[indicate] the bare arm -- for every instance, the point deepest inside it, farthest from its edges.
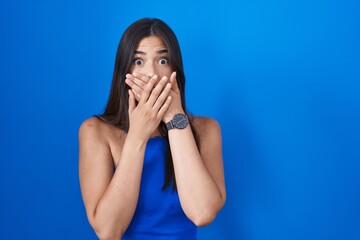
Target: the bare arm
(110, 198)
(198, 171)
(199, 174)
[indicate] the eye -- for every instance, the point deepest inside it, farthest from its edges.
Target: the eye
(163, 60)
(137, 61)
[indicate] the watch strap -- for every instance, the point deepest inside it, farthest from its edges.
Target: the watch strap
(169, 125)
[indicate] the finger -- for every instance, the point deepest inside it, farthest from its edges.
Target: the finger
(143, 77)
(157, 91)
(164, 107)
(131, 101)
(137, 95)
(162, 97)
(173, 82)
(137, 81)
(147, 90)
(132, 85)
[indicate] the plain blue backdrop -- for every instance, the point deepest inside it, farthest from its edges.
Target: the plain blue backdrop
(281, 77)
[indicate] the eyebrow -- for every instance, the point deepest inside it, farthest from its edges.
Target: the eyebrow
(144, 53)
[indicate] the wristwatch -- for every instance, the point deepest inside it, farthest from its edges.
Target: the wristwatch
(180, 121)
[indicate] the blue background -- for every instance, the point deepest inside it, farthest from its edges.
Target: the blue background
(281, 77)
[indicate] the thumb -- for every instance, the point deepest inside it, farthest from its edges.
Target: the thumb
(131, 101)
(173, 82)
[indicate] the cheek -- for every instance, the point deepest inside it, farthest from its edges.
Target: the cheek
(165, 72)
(132, 69)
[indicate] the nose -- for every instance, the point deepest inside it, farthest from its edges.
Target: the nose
(149, 70)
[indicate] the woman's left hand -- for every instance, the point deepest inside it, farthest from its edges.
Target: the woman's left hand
(137, 83)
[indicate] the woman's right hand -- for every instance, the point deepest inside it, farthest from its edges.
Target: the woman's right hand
(146, 116)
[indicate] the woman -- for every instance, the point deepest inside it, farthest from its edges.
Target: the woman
(147, 169)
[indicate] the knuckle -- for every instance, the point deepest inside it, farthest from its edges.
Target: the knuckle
(153, 116)
(149, 86)
(155, 92)
(147, 90)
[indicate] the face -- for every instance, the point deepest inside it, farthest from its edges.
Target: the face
(151, 57)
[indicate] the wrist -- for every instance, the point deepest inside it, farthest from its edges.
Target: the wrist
(137, 138)
(179, 121)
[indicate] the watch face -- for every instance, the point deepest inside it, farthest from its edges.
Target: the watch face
(180, 121)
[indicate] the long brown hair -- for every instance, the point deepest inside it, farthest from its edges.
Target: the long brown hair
(116, 110)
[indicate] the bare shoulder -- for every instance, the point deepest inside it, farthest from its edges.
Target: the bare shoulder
(93, 140)
(206, 126)
(98, 129)
(90, 124)
(99, 137)
(208, 131)
(94, 123)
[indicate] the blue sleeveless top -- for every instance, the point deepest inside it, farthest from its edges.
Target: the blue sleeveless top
(158, 214)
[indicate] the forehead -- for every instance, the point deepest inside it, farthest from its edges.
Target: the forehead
(151, 42)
